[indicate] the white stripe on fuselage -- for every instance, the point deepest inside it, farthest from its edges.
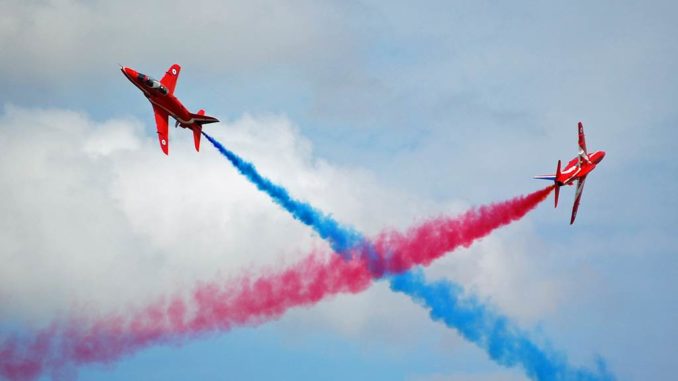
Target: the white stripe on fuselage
(573, 175)
(570, 169)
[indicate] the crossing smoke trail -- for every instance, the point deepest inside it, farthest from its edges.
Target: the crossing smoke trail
(220, 306)
(424, 244)
(244, 301)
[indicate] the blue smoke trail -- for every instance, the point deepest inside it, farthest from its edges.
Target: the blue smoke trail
(504, 343)
(341, 238)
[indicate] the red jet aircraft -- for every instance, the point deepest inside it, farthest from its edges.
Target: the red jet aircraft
(165, 104)
(577, 169)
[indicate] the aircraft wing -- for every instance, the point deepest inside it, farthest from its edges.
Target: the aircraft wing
(577, 198)
(582, 138)
(170, 78)
(583, 154)
(161, 118)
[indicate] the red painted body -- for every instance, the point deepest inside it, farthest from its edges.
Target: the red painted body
(576, 170)
(165, 104)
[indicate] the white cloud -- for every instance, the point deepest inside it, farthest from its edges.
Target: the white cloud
(96, 216)
(113, 136)
(513, 271)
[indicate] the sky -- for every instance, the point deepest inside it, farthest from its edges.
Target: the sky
(380, 113)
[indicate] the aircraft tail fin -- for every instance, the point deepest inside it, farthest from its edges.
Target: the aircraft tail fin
(197, 132)
(197, 129)
(201, 118)
(550, 177)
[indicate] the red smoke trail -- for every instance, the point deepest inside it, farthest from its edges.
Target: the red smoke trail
(428, 241)
(211, 307)
(220, 306)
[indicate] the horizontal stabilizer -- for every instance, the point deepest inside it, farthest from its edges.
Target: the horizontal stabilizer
(545, 177)
(201, 118)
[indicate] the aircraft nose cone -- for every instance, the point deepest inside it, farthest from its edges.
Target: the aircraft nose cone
(129, 71)
(601, 156)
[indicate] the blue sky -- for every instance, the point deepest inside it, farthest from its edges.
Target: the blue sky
(380, 113)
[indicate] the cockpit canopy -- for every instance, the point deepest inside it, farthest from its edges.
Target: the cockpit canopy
(152, 83)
